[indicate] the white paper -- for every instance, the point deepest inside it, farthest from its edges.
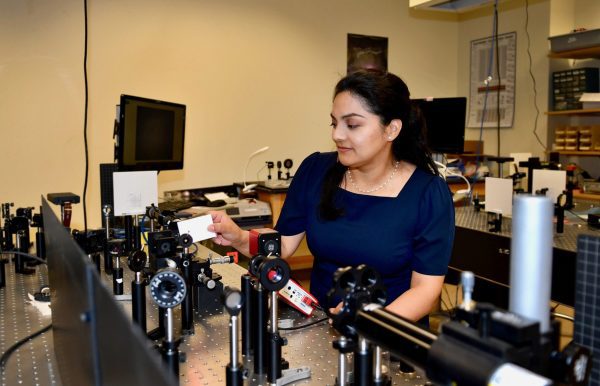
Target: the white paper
(197, 227)
(498, 195)
(216, 196)
(590, 97)
(134, 191)
(554, 180)
(42, 307)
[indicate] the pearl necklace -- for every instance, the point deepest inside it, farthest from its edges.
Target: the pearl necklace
(378, 187)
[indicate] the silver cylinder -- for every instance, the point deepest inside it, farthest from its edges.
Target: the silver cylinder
(169, 330)
(233, 346)
(378, 364)
(342, 379)
(274, 312)
(531, 258)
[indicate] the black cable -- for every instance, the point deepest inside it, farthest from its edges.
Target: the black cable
(304, 325)
(34, 257)
(85, 113)
(576, 215)
(537, 110)
(14, 347)
(498, 75)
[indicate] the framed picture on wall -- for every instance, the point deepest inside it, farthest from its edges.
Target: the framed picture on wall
(366, 52)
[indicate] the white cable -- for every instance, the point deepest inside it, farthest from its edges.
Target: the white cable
(248, 188)
(444, 169)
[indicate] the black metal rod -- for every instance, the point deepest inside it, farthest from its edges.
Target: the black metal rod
(274, 368)
(118, 281)
(2, 273)
(260, 332)
(401, 337)
(234, 376)
(247, 315)
(40, 244)
(187, 306)
(95, 257)
(129, 234)
(138, 303)
(363, 364)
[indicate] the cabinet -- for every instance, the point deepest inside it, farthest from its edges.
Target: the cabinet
(570, 131)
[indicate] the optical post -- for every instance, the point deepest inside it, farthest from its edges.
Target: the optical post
(108, 263)
(136, 262)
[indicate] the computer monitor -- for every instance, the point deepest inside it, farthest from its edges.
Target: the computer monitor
(445, 123)
(150, 134)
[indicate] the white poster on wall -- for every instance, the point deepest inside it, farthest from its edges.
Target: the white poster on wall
(134, 191)
(488, 85)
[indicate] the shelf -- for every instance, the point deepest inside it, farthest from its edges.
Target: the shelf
(575, 112)
(582, 53)
(586, 196)
(576, 152)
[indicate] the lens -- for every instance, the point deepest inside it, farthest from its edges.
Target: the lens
(167, 288)
(275, 275)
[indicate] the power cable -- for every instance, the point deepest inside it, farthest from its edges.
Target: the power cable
(85, 113)
(24, 254)
(498, 90)
(4, 358)
(537, 110)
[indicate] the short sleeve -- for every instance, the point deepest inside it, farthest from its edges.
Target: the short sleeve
(292, 219)
(434, 236)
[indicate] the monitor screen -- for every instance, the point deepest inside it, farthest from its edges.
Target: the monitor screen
(445, 123)
(151, 134)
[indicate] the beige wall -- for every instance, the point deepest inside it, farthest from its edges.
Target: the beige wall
(252, 73)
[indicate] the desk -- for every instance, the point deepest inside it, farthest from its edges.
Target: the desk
(487, 254)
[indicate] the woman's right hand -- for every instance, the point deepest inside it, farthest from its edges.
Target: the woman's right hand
(228, 232)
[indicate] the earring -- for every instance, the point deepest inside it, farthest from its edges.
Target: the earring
(390, 138)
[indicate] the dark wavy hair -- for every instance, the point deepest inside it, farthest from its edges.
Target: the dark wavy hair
(387, 96)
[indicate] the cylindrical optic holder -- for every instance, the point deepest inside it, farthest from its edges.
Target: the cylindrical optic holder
(136, 262)
(247, 347)
(187, 307)
(108, 263)
(2, 272)
(115, 247)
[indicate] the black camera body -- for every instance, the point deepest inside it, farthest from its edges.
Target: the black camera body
(265, 241)
(161, 245)
(91, 241)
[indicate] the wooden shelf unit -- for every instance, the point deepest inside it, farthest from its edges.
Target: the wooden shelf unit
(582, 53)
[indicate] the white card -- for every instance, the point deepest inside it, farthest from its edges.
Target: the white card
(197, 227)
(216, 196)
(134, 191)
(554, 180)
(499, 195)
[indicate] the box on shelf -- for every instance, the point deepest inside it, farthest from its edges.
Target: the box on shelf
(575, 40)
(568, 87)
(590, 100)
(589, 138)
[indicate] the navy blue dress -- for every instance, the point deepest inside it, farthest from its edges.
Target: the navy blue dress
(394, 235)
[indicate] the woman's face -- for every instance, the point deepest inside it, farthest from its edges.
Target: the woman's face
(359, 135)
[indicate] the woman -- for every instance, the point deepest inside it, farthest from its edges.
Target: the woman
(378, 200)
